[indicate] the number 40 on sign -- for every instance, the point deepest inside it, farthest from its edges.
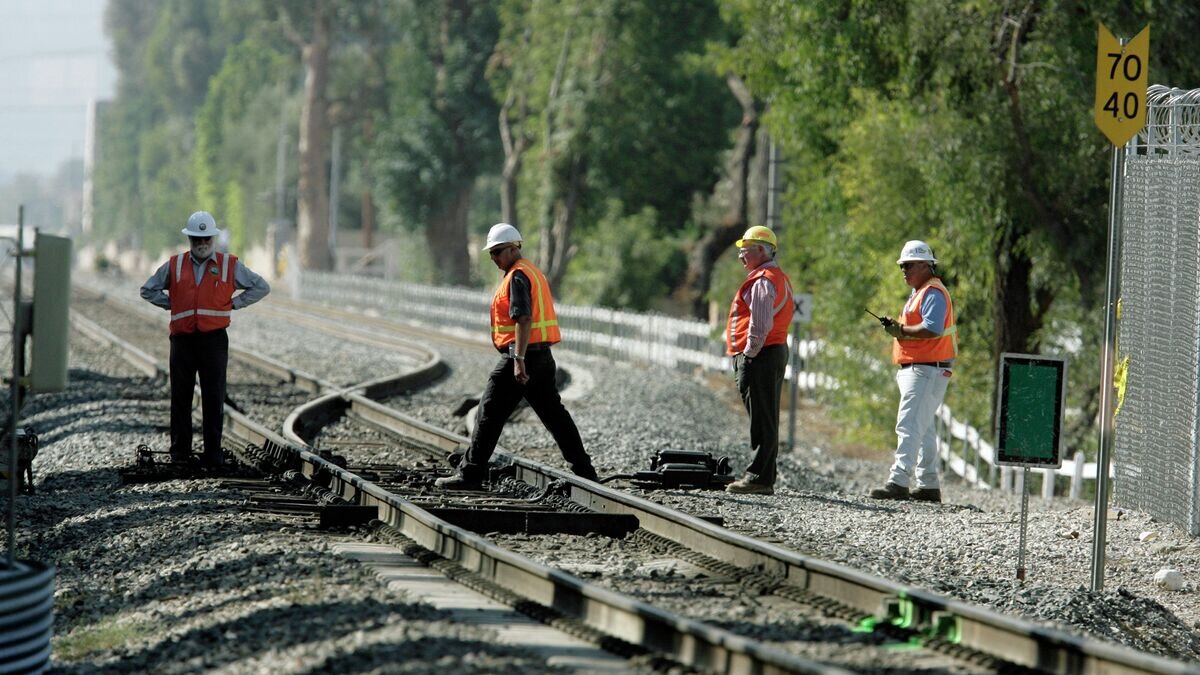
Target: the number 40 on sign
(1121, 77)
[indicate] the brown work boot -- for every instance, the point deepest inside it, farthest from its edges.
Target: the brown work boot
(890, 491)
(927, 495)
(745, 486)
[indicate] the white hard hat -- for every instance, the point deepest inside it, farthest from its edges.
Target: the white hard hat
(916, 250)
(502, 233)
(201, 224)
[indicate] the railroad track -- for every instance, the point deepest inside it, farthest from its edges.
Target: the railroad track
(974, 639)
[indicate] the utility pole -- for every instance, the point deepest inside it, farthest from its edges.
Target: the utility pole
(335, 180)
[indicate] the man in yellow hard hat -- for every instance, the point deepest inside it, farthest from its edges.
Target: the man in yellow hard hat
(756, 340)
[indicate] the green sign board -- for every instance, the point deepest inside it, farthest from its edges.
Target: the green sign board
(1029, 410)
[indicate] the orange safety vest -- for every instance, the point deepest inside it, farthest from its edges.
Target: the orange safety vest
(206, 306)
(545, 321)
(926, 350)
(737, 331)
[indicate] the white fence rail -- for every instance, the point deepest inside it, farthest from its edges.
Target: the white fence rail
(658, 339)
(965, 453)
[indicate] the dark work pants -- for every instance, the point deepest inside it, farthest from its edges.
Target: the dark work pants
(760, 383)
(206, 354)
(501, 397)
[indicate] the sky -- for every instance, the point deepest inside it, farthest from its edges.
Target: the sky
(54, 58)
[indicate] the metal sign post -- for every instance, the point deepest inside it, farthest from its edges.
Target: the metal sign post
(802, 315)
(1122, 71)
(1029, 412)
(14, 475)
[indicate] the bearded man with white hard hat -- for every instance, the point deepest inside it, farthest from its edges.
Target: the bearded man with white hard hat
(925, 345)
(524, 325)
(756, 340)
(197, 287)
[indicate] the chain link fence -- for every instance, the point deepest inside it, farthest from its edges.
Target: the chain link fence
(1155, 455)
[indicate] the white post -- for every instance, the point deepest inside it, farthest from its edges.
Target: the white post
(1077, 476)
(1048, 484)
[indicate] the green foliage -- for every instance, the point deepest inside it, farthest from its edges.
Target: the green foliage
(232, 152)
(165, 184)
(166, 53)
(628, 263)
(440, 132)
(182, 53)
(965, 124)
(632, 105)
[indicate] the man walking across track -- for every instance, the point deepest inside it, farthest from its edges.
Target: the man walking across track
(197, 287)
(926, 342)
(756, 339)
(524, 325)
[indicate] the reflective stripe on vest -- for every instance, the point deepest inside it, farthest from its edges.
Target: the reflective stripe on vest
(926, 350)
(205, 306)
(737, 329)
(544, 324)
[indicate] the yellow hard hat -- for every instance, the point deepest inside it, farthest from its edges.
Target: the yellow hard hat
(760, 234)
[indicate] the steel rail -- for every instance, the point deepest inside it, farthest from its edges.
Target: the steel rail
(1012, 639)
(1005, 637)
(135, 357)
(694, 643)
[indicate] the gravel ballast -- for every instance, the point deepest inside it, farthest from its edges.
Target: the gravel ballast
(174, 578)
(965, 548)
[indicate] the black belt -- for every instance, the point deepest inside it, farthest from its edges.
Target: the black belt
(935, 364)
(534, 347)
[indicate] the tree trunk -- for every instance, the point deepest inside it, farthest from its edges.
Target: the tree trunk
(514, 152)
(557, 249)
(719, 238)
(313, 208)
(447, 234)
(368, 219)
(446, 237)
(1015, 321)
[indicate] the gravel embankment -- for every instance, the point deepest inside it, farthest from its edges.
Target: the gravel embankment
(174, 578)
(965, 548)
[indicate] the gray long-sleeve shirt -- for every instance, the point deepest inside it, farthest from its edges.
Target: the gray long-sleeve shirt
(253, 286)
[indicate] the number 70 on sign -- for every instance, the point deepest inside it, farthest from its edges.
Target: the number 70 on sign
(1121, 77)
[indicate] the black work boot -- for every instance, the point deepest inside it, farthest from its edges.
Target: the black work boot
(927, 495)
(588, 472)
(213, 460)
(890, 491)
(459, 480)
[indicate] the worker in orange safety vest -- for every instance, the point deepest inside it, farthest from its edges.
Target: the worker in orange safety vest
(197, 287)
(524, 326)
(756, 339)
(925, 346)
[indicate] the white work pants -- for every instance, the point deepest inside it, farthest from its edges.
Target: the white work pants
(922, 389)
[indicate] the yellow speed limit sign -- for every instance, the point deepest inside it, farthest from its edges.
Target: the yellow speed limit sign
(1121, 77)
